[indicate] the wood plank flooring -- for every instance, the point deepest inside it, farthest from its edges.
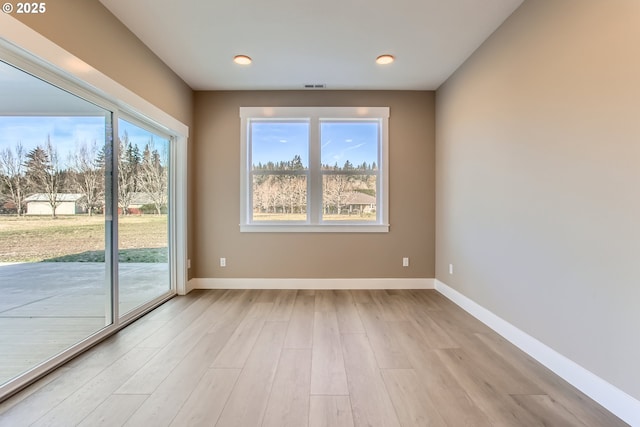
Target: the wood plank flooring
(304, 358)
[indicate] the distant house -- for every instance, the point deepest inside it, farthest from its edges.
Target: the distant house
(68, 204)
(138, 200)
(8, 207)
(360, 203)
(352, 203)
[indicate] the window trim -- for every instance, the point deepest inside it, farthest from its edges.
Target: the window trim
(314, 222)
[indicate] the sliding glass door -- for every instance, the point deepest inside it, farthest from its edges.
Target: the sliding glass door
(84, 221)
(143, 220)
(55, 287)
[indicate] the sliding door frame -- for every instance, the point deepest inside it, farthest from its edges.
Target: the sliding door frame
(29, 51)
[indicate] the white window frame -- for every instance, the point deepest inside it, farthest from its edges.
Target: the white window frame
(314, 222)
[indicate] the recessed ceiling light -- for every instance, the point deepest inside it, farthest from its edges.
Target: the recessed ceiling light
(242, 59)
(385, 59)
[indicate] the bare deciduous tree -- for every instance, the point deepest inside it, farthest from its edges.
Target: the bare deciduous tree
(12, 175)
(88, 176)
(336, 192)
(43, 173)
(153, 175)
(275, 191)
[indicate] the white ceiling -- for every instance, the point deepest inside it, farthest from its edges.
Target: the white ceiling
(298, 42)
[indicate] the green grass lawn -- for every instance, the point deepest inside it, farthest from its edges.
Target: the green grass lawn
(81, 238)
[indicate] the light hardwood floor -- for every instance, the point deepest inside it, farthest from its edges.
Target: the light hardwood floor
(304, 358)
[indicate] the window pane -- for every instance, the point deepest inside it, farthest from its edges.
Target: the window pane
(279, 145)
(143, 222)
(279, 197)
(277, 149)
(349, 162)
(349, 197)
(349, 145)
(54, 288)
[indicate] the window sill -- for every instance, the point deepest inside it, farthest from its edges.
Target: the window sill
(320, 228)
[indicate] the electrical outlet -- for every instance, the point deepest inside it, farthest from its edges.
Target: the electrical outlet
(188, 263)
(405, 262)
(451, 269)
(223, 262)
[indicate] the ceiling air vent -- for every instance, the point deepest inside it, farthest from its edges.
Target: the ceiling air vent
(315, 86)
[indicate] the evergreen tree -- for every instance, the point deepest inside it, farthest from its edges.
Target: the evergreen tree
(88, 174)
(296, 163)
(128, 167)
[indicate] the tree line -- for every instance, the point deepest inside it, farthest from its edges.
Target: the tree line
(41, 171)
(296, 164)
(281, 187)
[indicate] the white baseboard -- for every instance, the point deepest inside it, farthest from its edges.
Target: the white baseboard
(288, 283)
(613, 399)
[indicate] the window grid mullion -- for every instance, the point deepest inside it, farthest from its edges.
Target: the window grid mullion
(314, 194)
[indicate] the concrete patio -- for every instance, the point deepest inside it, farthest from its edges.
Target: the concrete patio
(47, 307)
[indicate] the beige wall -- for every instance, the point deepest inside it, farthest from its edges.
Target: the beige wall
(538, 180)
(313, 255)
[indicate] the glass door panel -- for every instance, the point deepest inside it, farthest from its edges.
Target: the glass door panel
(143, 220)
(55, 287)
